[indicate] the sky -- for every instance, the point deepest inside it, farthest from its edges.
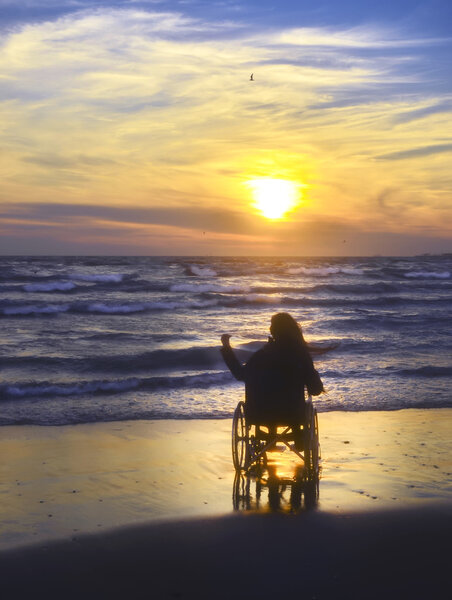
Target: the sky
(132, 127)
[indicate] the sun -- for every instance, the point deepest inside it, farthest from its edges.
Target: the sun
(274, 197)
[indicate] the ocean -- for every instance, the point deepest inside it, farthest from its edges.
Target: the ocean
(90, 339)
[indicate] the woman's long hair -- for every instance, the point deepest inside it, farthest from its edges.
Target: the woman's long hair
(286, 330)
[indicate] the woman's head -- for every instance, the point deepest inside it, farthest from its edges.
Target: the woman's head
(284, 328)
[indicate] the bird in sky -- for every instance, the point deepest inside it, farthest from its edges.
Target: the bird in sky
(251, 77)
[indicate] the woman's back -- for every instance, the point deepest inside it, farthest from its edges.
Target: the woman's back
(276, 375)
(275, 379)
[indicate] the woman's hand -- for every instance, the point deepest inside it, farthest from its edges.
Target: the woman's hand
(225, 340)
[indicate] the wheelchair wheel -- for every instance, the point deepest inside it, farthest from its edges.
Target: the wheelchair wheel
(312, 453)
(240, 439)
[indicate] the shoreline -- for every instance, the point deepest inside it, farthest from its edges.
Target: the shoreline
(61, 482)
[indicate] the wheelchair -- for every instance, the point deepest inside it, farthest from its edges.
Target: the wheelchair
(251, 443)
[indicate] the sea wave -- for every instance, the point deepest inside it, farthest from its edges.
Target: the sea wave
(118, 309)
(66, 389)
(427, 371)
(205, 288)
(204, 380)
(324, 271)
(427, 275)
(55, 286)
(197, 271)
(221, 301)
(47, 389)
(99, 278)
(100, 308)
(376, 301)
(201, 357)
(195, 357)
(29, 310)
(135, 287)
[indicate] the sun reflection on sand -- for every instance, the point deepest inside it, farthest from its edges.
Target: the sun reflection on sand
(280, 487)
(63, 481)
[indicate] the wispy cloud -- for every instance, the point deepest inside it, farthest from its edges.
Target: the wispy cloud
(355, 37)
(417, 152)
(435, 108)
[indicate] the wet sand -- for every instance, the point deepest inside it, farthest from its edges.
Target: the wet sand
(316, 555)
(382, 519)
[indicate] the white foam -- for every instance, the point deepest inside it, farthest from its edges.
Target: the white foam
(351, 271)
(260, 298)
(98, 307)
(143, 306)
(55, 286)
(106, 278)
(202, 271)
(428, 275)
(203, 304)
(30, 310)
(324, 271)
(75, 389)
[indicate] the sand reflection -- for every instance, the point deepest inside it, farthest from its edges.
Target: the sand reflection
(272, 489)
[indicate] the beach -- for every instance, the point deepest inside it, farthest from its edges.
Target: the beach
(148, 507)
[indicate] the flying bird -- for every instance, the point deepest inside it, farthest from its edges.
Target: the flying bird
(251, 77)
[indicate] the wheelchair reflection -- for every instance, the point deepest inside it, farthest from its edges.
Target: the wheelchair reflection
(264, 490)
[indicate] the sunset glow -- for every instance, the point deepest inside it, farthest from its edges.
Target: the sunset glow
(274, 197)
(125, 118)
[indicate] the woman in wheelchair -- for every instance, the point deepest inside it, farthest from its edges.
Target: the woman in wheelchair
(276, 377)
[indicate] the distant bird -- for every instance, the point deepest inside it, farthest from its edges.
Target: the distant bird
(251, 77)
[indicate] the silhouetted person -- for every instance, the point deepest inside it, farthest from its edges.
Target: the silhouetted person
(277, 375)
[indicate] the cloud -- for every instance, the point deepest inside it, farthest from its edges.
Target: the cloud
(436, 108)
(417, 152)
(65, 229)
(201, 219)
(56, 161)
(361, 36)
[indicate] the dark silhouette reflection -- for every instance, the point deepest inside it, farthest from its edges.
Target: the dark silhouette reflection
(263, 490)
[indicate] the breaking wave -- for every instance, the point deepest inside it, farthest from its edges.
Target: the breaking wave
(101, 308)
(48, 389)
(201, 271)
(202, 357)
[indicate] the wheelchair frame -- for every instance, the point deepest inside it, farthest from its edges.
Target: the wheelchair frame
(250, 445)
